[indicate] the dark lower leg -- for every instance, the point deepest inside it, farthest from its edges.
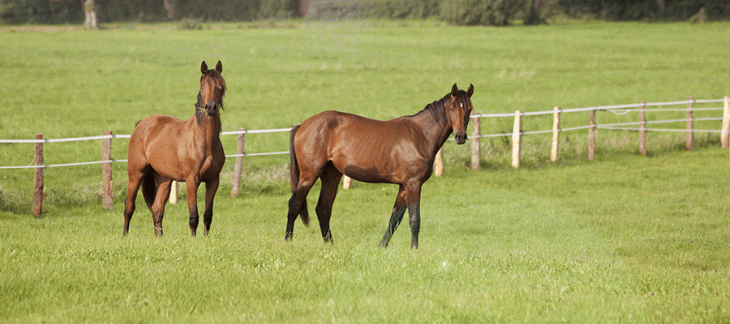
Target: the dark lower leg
(395, 220)
(192, 193)
(297, 206)
(210, 189)
(399, 208)
(330, 182)
(193, 221)
(414, 220)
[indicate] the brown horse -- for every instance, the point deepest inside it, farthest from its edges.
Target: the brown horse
(165, 148)
(399, 151)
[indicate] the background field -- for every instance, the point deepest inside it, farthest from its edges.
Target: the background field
(621, 239)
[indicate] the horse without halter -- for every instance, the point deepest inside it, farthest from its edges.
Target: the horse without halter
(399, 151)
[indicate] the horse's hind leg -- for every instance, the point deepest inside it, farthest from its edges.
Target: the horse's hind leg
(413, 198)
(399, 209)
(210, 189)
(330, 182)
(137, 170)
(158, 207)
(149, 187)
(298, 204)
(135, 180)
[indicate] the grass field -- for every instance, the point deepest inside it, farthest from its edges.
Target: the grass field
(624, 238)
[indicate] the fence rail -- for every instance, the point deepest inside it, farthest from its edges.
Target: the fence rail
(516, 135)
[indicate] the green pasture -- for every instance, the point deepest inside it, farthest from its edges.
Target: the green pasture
(624, 238)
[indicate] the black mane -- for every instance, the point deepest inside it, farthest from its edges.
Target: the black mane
(436, 108)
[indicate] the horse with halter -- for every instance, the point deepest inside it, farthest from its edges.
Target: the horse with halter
(165, 148)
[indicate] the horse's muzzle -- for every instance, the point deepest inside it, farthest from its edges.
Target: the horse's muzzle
(460, 138)
(211, 109)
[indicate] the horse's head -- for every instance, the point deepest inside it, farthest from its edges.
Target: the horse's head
(212, 89)
(458, 111)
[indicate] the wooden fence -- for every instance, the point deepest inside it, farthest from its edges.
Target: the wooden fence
(517, 134)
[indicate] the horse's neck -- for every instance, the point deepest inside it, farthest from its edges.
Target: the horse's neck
(209, 126)
(435, 127)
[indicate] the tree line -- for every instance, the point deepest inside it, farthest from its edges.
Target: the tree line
(459, 12)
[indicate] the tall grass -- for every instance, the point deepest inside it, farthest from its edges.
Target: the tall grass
(621, 239)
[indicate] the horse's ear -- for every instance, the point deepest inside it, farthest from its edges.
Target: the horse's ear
(219, 67)
(204, 68)
(454, 90)
(470, 91)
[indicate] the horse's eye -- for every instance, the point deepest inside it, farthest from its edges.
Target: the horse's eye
(461, 104)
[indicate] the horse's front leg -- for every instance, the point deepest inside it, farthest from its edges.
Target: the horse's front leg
(413, 195)
(395, 218)
(192, 193)
(211, 187)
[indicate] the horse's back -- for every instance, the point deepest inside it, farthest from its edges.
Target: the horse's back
(153, 125)
(334, 122)
(362, 148)
(331, 128)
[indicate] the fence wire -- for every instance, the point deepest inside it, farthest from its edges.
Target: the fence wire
(616, 109)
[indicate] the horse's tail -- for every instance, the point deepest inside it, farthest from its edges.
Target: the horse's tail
(294, 173)
(149, 187)
(293, 164)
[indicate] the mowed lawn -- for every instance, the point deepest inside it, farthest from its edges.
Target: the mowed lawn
(625, 238)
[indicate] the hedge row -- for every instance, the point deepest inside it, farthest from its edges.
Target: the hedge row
(645, 9)
(72, 11)
(388, 9)
(460, 12)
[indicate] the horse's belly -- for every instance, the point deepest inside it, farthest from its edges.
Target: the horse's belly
(168, 168)
(378, 170)
(376, 162)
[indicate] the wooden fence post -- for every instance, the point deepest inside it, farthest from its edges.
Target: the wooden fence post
(592, 134)
(438, 163)
(476, 145)
(642, 129)
(346, 182)
(516, 139)
(690, 138)
(238, 167)
(556, 135)
(107, 197)
(38, 178)
(725, 123)
(173, 192)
